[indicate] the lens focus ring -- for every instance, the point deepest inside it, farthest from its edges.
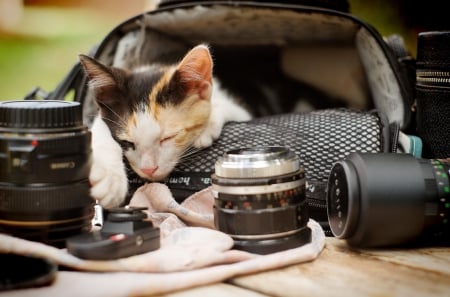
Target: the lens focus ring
(40, 114)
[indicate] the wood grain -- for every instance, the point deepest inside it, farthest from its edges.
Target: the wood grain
(341, 271)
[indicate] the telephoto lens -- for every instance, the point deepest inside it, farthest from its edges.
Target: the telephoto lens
(45, 157)
(433, 93)
(260, 199)
(387, 199)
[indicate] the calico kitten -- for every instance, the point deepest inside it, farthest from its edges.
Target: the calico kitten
(153, 115)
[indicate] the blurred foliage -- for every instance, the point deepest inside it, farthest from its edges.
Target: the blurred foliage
(44, 47)
(388, 17)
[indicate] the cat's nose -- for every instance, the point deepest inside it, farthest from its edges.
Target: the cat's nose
(149, 171)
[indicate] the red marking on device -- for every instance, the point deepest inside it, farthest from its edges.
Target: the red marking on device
(117, 237)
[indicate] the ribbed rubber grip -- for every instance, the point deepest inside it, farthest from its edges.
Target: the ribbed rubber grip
(40, 114)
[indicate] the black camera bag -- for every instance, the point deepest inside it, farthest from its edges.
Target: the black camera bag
(280, 57)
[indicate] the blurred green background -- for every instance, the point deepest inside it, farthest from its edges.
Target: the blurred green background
(40, 40)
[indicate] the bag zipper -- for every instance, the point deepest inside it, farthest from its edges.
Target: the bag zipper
(433, 77)
(395, 132)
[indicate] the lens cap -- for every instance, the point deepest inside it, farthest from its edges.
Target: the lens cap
(18, 271)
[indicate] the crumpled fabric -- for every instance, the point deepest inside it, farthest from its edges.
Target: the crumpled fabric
(192, 253)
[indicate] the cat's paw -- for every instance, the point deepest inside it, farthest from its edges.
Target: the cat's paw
(109, 184)
(211, 133)
(108, 178)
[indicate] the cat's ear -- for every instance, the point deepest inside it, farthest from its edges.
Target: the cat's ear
(103, 80)
(195, 72)
(99, 75)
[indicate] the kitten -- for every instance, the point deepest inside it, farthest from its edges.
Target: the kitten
(153, 115)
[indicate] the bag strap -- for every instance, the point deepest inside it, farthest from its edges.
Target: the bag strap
(407, 69)
(406, 61)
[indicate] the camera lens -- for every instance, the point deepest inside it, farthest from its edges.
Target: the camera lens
(260, 199)
(45, 157)
(385, 199)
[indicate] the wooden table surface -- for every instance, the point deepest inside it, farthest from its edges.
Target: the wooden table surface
(343, 271)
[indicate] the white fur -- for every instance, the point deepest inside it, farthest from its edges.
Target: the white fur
(149, 152)
(109, 183)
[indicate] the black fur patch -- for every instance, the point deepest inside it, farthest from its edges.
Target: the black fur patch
(140, 84)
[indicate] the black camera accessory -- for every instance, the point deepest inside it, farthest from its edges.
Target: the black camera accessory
(20, 271)
(433, 92)
(260, 199)
(389, 199)
(45, 157)
(124, 233)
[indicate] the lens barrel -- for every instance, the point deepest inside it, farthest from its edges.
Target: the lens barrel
(260, 199)
(45, 157)
(384, 199)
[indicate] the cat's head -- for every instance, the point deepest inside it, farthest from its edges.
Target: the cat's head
(156, 112)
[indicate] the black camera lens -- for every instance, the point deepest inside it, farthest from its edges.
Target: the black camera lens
(45, 158)
(383, 199)
(433, 93)
(260, 199)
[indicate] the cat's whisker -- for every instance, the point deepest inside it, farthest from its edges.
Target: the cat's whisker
(186, 158)
(123, 124)
(120, 124)
(188, 153)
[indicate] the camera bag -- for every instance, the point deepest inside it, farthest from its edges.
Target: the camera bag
(319, 80)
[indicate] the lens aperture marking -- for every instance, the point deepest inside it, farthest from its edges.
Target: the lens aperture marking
(258, 189)
(260, 201)
(337, 200)
(442, 177)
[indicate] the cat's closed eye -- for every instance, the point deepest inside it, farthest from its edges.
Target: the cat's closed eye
(167, 138)
(126, 145)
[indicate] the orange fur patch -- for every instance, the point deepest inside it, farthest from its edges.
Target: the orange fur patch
(187, 119)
